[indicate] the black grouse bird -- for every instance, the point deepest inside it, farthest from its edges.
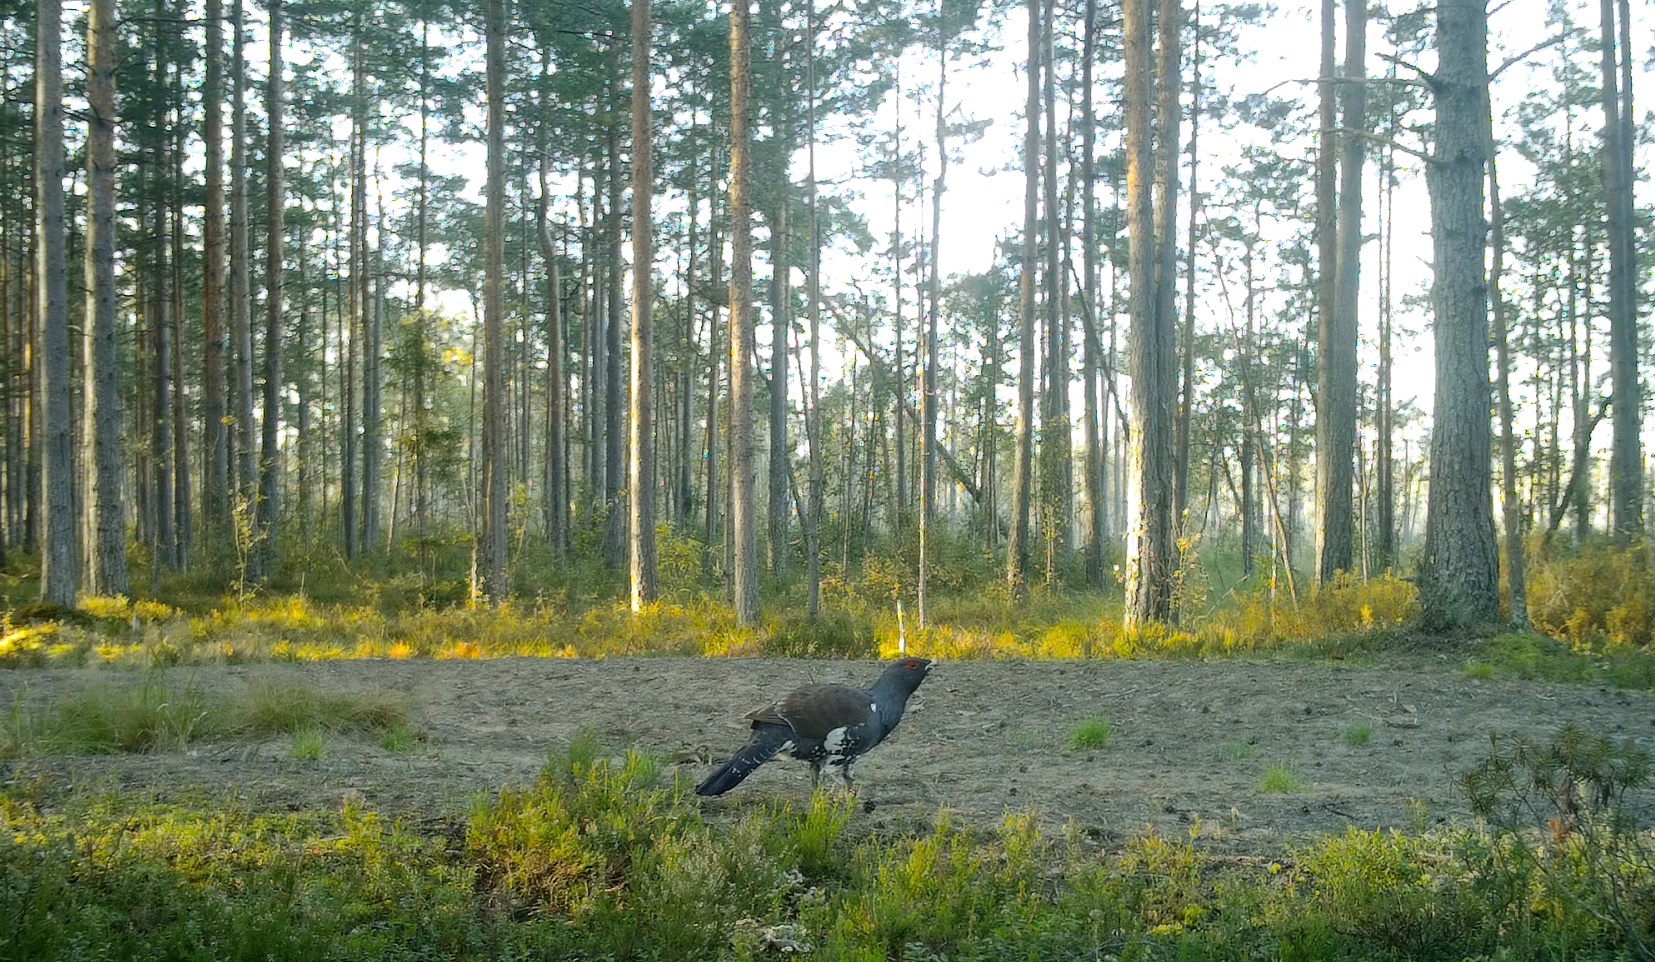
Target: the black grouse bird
(829, 726)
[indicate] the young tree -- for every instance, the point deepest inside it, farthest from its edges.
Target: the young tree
(641, 493)
(59, 574)
(105, 513)
(1459, 577)
(1337, 245)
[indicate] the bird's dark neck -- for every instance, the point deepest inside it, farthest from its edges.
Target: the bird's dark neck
(892, 700)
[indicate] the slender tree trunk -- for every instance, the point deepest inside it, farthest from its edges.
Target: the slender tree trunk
(615, 480)
(556, 494)
(1385, 483)
(813, 427)
(1096, 511)
(711, 447)
(1626, 449)
(491, 562)
(216, 438)
(1334, 317)
(60, 573)
(1017, 544)
(781, 455)
(928, 394)
(275, 203)
(1510, 509)
(1459, 581)
(105, 512)
(641, 473)
(241, 308)
(742, 506)
(1186, 403)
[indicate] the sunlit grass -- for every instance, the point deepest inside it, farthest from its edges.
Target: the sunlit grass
(1089, 734)
(1280, 780)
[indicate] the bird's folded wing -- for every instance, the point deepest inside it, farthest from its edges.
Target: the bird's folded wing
(815, 710)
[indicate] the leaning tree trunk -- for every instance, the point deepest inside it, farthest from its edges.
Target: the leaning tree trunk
(742, 507)
(1459, 578)
(106, 557)
(59, 574)
(641, 473)
(1511, 511)
(241, 316)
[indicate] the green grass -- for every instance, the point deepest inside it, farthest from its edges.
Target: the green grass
(604, 858)
(151, 713)
(310, 744)
(1236, 751)
(1357, 735)
(1280, 780)
(1089, 734)
(399, 740)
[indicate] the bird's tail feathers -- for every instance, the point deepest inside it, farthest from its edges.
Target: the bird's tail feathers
(736, 770)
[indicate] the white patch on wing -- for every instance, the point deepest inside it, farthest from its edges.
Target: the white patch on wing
(835, 740)
(873, 708)
(786, 751)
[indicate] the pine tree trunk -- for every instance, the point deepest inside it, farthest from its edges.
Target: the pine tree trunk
(780, 451)
(241, 319)
(742, 507)
(1510, 509)
(1150, 551)
(1096, 511)
(1459, 580)
(106, 513)
(1186, 337)
(1336, 329)
(491, 561)
(1017, 544)
(813, 391)
(216, 438)
(270, 465)
(1626, 451)
(641, 471)
(59, 574)
(615, 480)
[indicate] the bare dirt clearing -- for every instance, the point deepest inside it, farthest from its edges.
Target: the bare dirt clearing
(1189, 740)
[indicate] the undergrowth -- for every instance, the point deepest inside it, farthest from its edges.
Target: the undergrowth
(603, 857)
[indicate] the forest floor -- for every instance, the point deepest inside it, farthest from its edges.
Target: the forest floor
(1191, 743)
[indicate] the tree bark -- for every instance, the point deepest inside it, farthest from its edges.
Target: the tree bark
(275, 202)
(241, 310)
(491, 550)
(1510, 509)
(641, 473)
(1338, 246)
(216, 438)
(1626, 449)
(742, 519)
(1017, 543)
(1151, 557)
(59, 573)
(1459, 579)
(106, 556)
(1096, 511)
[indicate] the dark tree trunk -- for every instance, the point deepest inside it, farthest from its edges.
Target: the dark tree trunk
(1459, 580)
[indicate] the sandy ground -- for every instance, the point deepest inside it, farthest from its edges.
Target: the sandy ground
(1190, 741)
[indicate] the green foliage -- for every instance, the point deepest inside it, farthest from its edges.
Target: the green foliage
(1357, 735)
(1592, 873)
(1089, 734)
(310, 743)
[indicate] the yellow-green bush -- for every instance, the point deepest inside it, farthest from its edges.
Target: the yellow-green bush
(1595, 597)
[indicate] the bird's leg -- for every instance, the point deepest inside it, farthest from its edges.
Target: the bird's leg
(815, 777)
